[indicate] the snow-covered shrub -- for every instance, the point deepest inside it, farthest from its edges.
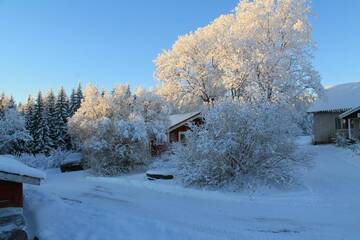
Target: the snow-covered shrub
(14, 137)
(117, 146)
(240, 145)
(341, 140)
(113, 130)
(154, 112)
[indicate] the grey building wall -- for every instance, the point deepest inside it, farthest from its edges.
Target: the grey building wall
(324, 128)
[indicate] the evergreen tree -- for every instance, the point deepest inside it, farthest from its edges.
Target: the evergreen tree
(11, 104)
(40, 127)
(75, 100)
(79, 95)
(28, 112)
(50, 107)
(2, 105)
(29, 115)
(62, 114)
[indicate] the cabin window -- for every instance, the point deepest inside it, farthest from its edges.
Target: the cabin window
(182, 137)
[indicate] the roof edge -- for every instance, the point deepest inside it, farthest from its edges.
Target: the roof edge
(194, 116)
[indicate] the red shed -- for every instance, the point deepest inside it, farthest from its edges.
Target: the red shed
(176, 131)
(12, 176)
(179, 125)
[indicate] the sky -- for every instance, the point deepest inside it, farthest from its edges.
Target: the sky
(48, 43)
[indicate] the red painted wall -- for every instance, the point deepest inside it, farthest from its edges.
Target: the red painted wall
(174, 134)
(11, 194)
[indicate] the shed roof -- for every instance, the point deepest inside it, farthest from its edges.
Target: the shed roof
(180, 119)
(10, 166)
(338, 98)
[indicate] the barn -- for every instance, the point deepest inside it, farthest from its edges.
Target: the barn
(13, 174)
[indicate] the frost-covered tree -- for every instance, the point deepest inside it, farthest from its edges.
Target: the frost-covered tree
(278, 34)
(189, 72)
(117, 146)
(154, 112)
(14, 138)
(240, 145)
(82, 124)
(261, 52)
(5, 103)
(122, 101)
(111, 130)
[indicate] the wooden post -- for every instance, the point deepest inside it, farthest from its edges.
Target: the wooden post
(349, 128)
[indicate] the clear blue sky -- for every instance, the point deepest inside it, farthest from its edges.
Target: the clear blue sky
(47, 43)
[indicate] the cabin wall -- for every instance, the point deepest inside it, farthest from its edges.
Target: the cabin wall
(324, 128)
(174, 134)
(11, 194)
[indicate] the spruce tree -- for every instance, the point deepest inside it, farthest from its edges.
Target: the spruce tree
(28, 112)
(62, 114)
(75, 100)
(50, 106)
(39, 124)
(11, 104)
(2, 105)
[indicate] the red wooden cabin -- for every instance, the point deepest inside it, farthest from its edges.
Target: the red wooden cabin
(179, 124)
(13, 175)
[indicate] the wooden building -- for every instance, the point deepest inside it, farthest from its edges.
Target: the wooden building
(13, 175)
(179, 124)
(337, 113)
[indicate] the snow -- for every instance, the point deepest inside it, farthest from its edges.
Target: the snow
(178, 118)
(340, 97)
(73, 157)
(78, 206)
(9, 164)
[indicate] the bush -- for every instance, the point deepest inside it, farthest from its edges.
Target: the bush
(117, 146)
(113, 130)
(240, 145)
(341, 140)
(14, 138)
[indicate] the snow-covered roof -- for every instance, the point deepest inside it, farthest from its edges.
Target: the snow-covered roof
(179, 118)
(341, 97)
(8, 164)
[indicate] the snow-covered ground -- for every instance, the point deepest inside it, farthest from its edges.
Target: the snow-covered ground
(77, 206)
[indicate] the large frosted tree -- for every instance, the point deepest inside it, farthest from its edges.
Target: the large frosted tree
(189, 72)
(260, 52)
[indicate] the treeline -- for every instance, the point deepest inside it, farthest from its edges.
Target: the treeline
(46, 119)
(42, 122)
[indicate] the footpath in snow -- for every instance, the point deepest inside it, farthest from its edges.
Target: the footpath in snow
(80, 207)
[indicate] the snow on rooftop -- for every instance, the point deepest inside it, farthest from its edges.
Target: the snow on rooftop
(178, 118)
(9, 164)
(340, 97)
